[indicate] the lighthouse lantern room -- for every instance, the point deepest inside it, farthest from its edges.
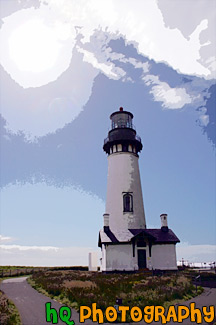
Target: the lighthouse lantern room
(125, 241)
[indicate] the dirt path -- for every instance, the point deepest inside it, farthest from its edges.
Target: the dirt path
(31, 304)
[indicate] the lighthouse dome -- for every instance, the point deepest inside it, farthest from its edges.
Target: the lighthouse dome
(122, 133)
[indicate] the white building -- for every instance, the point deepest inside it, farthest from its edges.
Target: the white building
(93, 261)
(126, 242)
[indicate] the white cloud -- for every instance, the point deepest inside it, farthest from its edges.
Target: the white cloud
(143, 24)
(174, 18)
(6, 137)
(107, 68)
(36, 47)
(44, 110)
(72, 256)
(196, 253)
(44, 255)
(211, 64)
(5, 239)
(100, 55)
(170, 97)
(173, 98)
(138, 65)
(27, 248)
(204, 119)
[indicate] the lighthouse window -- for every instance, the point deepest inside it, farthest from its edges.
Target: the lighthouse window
(128, 202)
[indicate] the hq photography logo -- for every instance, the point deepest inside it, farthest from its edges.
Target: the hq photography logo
(176, 314)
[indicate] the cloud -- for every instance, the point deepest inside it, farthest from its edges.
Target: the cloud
(196, 253)
(44, 255)
(101, 56)
(137, 64)
(173, 98)
(26, 248)
(36, 46)
(84, 31)
(107, 68)
(142, 24)
(72, 256)
(42, 110)
(175, 16)
(5, 239)
(204, 119)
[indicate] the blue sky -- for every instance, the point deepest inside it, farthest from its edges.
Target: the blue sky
(65, 67)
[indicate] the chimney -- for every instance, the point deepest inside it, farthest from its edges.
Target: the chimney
(106, 221)
(164, 225)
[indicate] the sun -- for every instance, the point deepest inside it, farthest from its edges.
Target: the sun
(33, 46)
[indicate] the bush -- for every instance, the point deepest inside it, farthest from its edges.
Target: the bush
(8, 312)
(84, 288)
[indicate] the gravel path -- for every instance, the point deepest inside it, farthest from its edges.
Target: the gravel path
(31, 304)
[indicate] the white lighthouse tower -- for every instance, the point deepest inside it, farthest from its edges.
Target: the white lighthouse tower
(125, 242)
(124, 202)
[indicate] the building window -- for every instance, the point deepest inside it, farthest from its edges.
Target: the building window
(128, 202)
(119, 147)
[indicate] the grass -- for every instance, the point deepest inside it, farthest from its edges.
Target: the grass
(14, 271)
(78, 288)
(9, 314)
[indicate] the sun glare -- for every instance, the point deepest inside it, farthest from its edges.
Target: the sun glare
(34, 47)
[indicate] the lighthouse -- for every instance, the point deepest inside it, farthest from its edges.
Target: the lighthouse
(125, 241)
(124, 203)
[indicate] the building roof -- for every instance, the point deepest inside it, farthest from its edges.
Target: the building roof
(156, 236)
(159, 235)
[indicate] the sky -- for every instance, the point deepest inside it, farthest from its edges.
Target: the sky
(66, 65)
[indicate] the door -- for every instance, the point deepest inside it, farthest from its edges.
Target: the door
(141, 258)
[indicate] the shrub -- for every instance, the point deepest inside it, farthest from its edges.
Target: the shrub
(83, 288)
